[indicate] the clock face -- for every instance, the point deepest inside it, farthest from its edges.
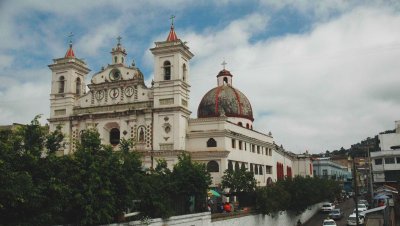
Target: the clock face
(114, 93)
(115, 75)
(129, 91)
(99, 94)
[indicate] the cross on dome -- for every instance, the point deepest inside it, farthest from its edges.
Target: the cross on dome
(119, 40)
(172, 19)
(224, 64)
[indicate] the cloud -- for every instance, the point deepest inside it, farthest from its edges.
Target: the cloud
(323, 89)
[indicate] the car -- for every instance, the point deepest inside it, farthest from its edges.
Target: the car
(352, 219)
(363, 201)
(327, 207)
(360, 207)
(329, 222)
(336, 214)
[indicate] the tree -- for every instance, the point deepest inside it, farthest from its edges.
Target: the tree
(239, 180)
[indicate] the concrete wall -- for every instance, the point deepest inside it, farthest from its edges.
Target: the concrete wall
(204, 219)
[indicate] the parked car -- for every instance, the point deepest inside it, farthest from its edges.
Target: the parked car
(363, 201)
(329, 222)
(361, 207)
(352, 219)
(327, 207)
(336, 214)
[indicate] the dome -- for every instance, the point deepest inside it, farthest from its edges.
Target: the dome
(224, 100)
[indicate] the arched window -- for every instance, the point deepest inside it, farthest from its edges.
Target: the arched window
(61, 84)
(240, 124)
(225, 80)
(212, 166)
(122, 59)
(247, 125)
(237, 166)
(78, 86)
(115, 59)
(141, 134)
(114, 136)
(167, 70)
(211, 143)
(230, 165)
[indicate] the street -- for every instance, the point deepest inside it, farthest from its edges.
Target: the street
(347, 208)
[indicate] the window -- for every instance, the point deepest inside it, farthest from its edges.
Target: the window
(240, 145)
(325, 172)
(251, 167)
(269, 181)
(233, 143)
(245, 146)
(211, 143)
(240, 124)
(261, 170)
(230, 165)
(268, 169)
(237, 166)
(212, 166)
(398, 160)
(61, 84)
(115, 59)
(253, 148)
(243, 166)
(114, 136)
(389, 160)
(167, 70)
(256, 169)
(122, 59)
(184, 72)
(78, 86)
(378, 161)
(225, 80)
(247, 125)
(258, 149)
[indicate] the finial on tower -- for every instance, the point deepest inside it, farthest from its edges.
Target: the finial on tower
(119, 39)
(70, 53)
(172, 35)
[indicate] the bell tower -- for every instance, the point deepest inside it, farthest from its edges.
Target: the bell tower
(67, 86)
(171, 92)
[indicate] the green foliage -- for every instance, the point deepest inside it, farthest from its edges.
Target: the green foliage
(295, 194)
(239, 180)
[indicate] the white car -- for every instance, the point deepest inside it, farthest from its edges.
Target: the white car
(327, 207)
(329, 222)
(352, 219)
(361, 208)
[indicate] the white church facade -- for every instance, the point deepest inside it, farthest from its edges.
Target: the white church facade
(120, 105)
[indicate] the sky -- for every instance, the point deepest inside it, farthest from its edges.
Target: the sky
(320, 75)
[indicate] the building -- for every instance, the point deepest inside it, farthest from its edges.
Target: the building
(386, 162)
(120, 105)
(326, 168)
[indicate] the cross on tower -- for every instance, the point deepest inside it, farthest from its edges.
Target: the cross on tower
(172, 20)
(119, 40)
(70, 38)
(224, 64)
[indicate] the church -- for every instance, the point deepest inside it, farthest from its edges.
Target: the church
(120, 105)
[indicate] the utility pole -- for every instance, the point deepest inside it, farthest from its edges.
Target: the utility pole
(355, 189)
(371, 187)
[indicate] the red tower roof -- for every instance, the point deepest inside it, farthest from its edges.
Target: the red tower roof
(172, 35)
(70, 52)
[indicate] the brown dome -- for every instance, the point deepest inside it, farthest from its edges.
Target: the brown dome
(227, 101)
